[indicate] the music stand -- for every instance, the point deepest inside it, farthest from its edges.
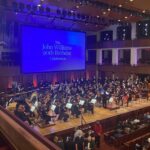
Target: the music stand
(69, 105)
(81, 102)
(53, 107)
(82, 119)
(93, 101)
(32, 108)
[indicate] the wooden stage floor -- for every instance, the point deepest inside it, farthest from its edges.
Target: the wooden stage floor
(99, 114)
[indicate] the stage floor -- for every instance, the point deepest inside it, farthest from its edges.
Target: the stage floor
(99, 114)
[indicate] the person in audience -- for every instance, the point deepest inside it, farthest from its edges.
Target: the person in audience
(89, 142)
(79, 139)
(97, 128)
(69, 143)
(146, 145)
(138, 146)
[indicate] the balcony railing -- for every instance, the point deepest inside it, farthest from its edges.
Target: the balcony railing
(120, 44)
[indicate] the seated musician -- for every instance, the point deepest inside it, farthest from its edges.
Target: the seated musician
(44, 115)
(112, 102)
(2, 101)
(61, 112)
(90, 107)
(52, 115)
(75, 109)
(21, 114)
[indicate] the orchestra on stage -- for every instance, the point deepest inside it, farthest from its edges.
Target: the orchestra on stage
(69, 99)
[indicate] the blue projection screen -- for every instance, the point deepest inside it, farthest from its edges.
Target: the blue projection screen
(46, 50)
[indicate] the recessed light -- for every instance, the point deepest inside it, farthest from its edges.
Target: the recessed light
(119, 20)
(109, 9)
(120, 5)
(125, 17)
(39, 5)
(143, 11)
(131, 0)
(104, 13)
(77, 6)
(97, 16)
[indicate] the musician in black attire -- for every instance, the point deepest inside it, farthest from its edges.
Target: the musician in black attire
(44, 116)
(69, 143)
(75, 110)
(2, 101)
(62, 112)
(104, 100)
(21, 114)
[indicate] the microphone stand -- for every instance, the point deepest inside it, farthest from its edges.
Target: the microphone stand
(82, 119)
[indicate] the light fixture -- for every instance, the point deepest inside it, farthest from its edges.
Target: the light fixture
(104, 13)
(77, 6)
(109, 9)
(119, 5)
(143, 11)
(126, 17)
(39, 5)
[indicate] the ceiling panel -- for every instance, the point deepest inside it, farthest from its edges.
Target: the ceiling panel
(85, 8)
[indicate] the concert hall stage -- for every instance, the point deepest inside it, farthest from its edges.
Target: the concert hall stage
(99, 114)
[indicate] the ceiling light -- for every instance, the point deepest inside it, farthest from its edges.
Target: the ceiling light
(131, 0)
(120, 5)
(125, 17)
(119, 20)
(143, 11)
(77, 6)
(104, 13)
(97, 16)
(39, 5)
(109, 9)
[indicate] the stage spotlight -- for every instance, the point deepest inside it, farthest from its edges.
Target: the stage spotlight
(83, 17)
(64, 13)
(47, 9)
(34, 8)
(21, 6)
(41, 9)
(69, 14)
(3, 2)
(87, 18)
(58, 11)
(78, 16)
(28, 6)
(15, 6)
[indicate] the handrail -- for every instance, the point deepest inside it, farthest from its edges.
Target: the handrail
(20, 135)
